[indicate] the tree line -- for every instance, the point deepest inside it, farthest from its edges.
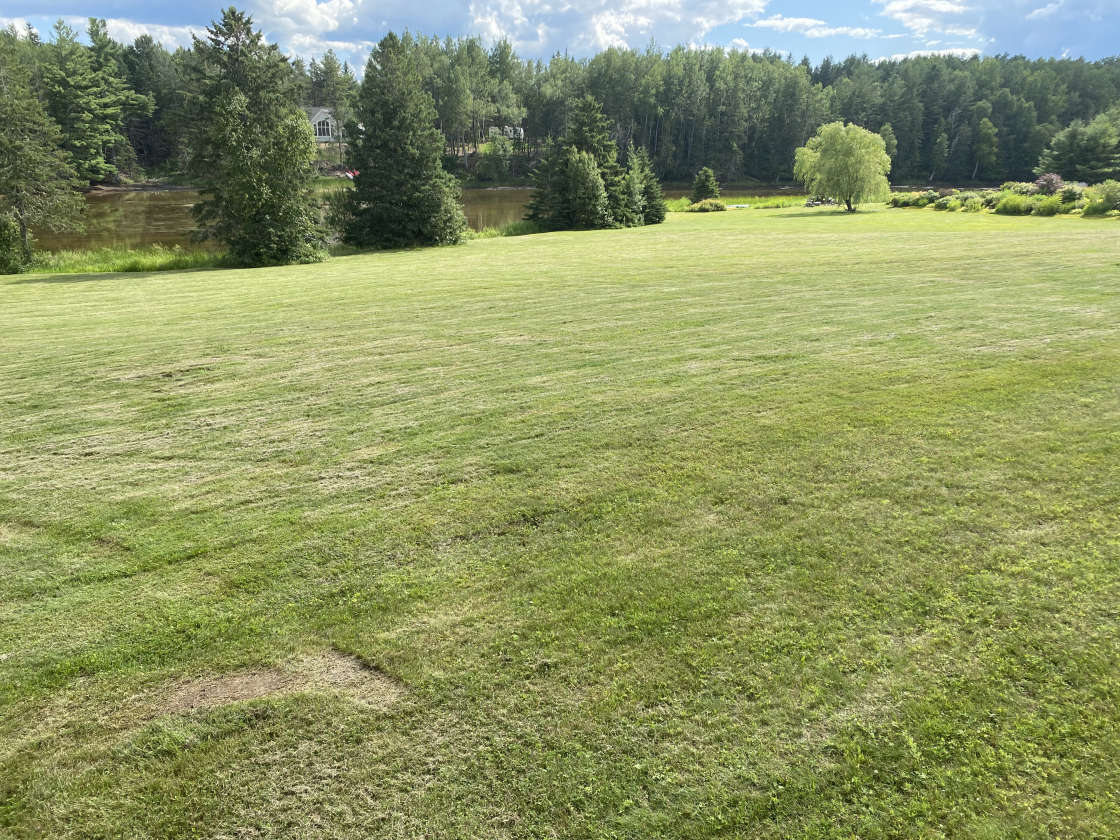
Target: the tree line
(123, 108)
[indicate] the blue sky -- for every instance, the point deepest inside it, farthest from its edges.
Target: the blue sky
(538, 28)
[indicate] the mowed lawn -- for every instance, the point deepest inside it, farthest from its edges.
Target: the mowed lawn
(758, 524)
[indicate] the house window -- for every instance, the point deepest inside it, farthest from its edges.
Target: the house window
(323, 128)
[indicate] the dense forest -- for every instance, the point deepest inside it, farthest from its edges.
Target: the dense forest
(124, 109)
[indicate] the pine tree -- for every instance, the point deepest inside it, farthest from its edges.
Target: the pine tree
(152, 73)
(654, 209)
(547, 203)
(87, 102)
(704, 186)
(121, 103)
(402, 196)
(251, 150)
(36, 179)
(588, 130)
(1081, 152)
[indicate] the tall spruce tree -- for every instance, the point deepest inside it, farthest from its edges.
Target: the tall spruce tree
(589, 130)
(127, 105)
(402, 196)
(36, 179)
(252, 152)
(654, 209)
(152, 73)
(704, 185)
(565, 191)
(87, 100)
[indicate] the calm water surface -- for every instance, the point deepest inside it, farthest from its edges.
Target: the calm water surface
(135, 218)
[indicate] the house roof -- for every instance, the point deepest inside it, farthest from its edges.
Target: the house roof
(318, 112)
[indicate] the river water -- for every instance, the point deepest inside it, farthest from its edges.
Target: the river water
(135, 218)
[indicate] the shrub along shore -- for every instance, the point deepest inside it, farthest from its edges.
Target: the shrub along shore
(1048, 196)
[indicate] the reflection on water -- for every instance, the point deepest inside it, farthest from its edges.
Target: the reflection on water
(494, 207)
(134, 218)
(129, 219)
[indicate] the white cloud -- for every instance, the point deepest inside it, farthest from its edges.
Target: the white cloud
(127, 31)
(591, 25)
(813, 28)
(17, 23)
(921, 16)
(309, 14)
(959, 52)
(1045, 11)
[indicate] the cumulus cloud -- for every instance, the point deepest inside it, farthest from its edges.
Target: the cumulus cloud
(813, 28)
(959, 52)
(539, 28)
(1045, 11)
(127, 31)
(591, 25)
(921, 16)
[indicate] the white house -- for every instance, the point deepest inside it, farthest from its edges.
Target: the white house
(323, 123)
(513, 132)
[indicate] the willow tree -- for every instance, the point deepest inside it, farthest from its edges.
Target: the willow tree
(846, 163)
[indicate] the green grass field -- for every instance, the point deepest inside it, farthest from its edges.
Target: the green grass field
(791, 524)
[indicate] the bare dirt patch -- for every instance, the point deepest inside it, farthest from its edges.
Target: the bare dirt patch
(330, 672)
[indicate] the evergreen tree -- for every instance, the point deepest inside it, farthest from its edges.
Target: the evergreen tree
(653, 201)
(587, 204)
(565, 194)
(152, 73)
(36, 179)
(704, 186)
(589, 131)
(87, 101)
(547, 203)
(252, 151)
(402, 196)
(122, 103)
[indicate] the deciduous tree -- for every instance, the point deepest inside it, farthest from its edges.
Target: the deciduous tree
(844, 162)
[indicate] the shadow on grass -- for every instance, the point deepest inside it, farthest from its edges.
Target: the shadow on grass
(91, 276)
(829, 211)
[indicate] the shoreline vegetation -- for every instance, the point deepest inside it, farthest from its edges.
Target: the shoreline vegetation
(115, 260)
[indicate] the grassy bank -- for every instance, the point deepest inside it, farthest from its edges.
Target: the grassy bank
(769, 525)
(148, 258)
(755, 202)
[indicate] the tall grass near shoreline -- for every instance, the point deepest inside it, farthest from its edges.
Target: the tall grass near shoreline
(755, 202)
(115, 259)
